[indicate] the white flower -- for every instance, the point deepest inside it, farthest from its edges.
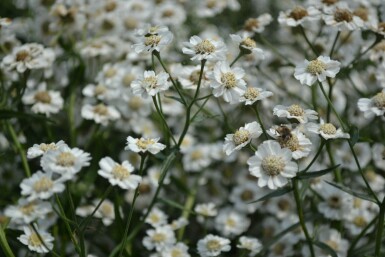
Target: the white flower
(106, 211)
(253, 94)
(295, 111)
(26, 212)
(298, 16)
(32, 240)
(159, 238)
(177, 250)
(374, 106)
(156, 218)
(197, 158)
(28, 56)
(327, 130)
(41, 186)
(43, 101)
(241, 137)
(309, 72)
(144, 144)
(247, 45)
(205, 210)
(169, 13)
(100, 113)
(119, 174)
(378, 154)
(251, 244)
(150, 84)
(100, 92)
(343, 18)
(357, 220)
(212, 245)
(257, 25)
(227, 82)
(65, 161)
(38, 150)
(206, 49)
(5, 22)
(272, 165)
(333, 239)
(153, 38)
(242, 196)
(231, 223)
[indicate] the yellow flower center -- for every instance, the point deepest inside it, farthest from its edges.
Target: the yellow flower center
(144, 143)
(273, 165)
(43, 97)
(106, 209)
(231, 222)
(341, 15)
(381, 26)
(28, 208)
(168, 13)
(332, 244)
(101, 109)
(359, 221)
(43, 185)
(47, 147)
(316, 67)
(120, 172)
(159, 237)
(291, 142)
(144, 189)
(176, 253)
(110, 6)
(380, 47)
(329, 2)
(213, 245)
(130, 23)
(135, 103)
(251, 93)
(284, 205)
(100, 90)
(241, 136)
(249, 43)
(151, 82)
(65, 159)
(298, 13)
(194, 76)
(328, 129)
(379, 100)
(109, 73)
(196, 155)
(204, 47)
(296, 110)
(152, 40)
(34, 240)
(228, 79)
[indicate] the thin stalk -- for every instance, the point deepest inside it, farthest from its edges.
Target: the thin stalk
(4, 244)
(301, 216)
(363, 232)
(315, 156)
(158, 110)
(71, 117)
(380, 229)
(237, 58)
(332, 106)
(200, 109)
(378, 39)
(334, 44)
(308, 41)
(19, 148)
(268, 44)
(255, 108)
(136, 193)
(337, 172)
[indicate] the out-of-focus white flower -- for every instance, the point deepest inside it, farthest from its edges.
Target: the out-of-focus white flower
(295, 111)
(39, 149)
(299, 15)
(247, 45)
(100, 113)
(33, 240)
(150, 84)
(25, 212)
(156, 218)
(169, 13)
(253, 94)
(251, 244)
(241, 137)
(177, 250)
(343, 18)
(144, 144)
(206, 49)
(374, 106)
(41, 186)
(309, 72)
(231, 223)
(205, 210)
(212, 245)
(327, 130)
(257, 25)
(159, 238)
(153, 38)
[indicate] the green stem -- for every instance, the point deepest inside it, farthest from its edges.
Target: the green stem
(237, 58)
(42, 241)
(380, 229)
(255, 108)
(71, 117)
(19, 148)
(4, 244)
(301, 217)
(332, 106)
(334, 44)
(315, 156)
(158, 110)
(337, 172)
(378, 39)
(268, 44)
(136, 193)
(308, 41)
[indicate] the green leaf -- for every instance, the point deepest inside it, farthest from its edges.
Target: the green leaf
(9, 114)
(276, 193)
(354, 134)
(326, 248)
(176, 205)
(314, 174)
(353, 193)
(4, 244)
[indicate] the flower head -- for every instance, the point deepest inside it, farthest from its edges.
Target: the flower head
(241, 137)
(37, 242)
(144, 144)
(150, 84)
(205, 49)
(212, 245)
(374, 106)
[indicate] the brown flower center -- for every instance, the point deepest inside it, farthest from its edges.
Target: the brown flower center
(298, 13)
(204, 47)
(379, 100)
(341, 15)
(251, 24)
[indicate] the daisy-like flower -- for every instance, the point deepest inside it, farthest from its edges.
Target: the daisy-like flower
(28, 57)
(309, 72)
(25, 212)
(343, 18)
(156, 218)
(41, 186)
(357, 220)
(153, 38)
(150, 84)
(228, 82)
(119, 174)
(144, 145)
(251, 244)
(5, 22)
(105, 212)
(212, 245)
(247, 45)
(241, 137)
(43, 101)
(65, 161)
(231, 223)
(33, 240)
(257, 25)
(298, 16)
(334, 240)
(178, 250)
(205, 210)
(296, 112)
(38, 150)
(100, 113)
(374, 106)
(159, 238)
(272, 165)
(207, 49)
(253, 94)
(327, 130)
(294, 140)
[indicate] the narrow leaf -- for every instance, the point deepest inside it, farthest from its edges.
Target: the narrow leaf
(326, 248)
(4, 244)
(276, 193)
(9, 114)
(176, 205)
(176, 99)
(351, 192)
(354, 134)
(314, 174)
